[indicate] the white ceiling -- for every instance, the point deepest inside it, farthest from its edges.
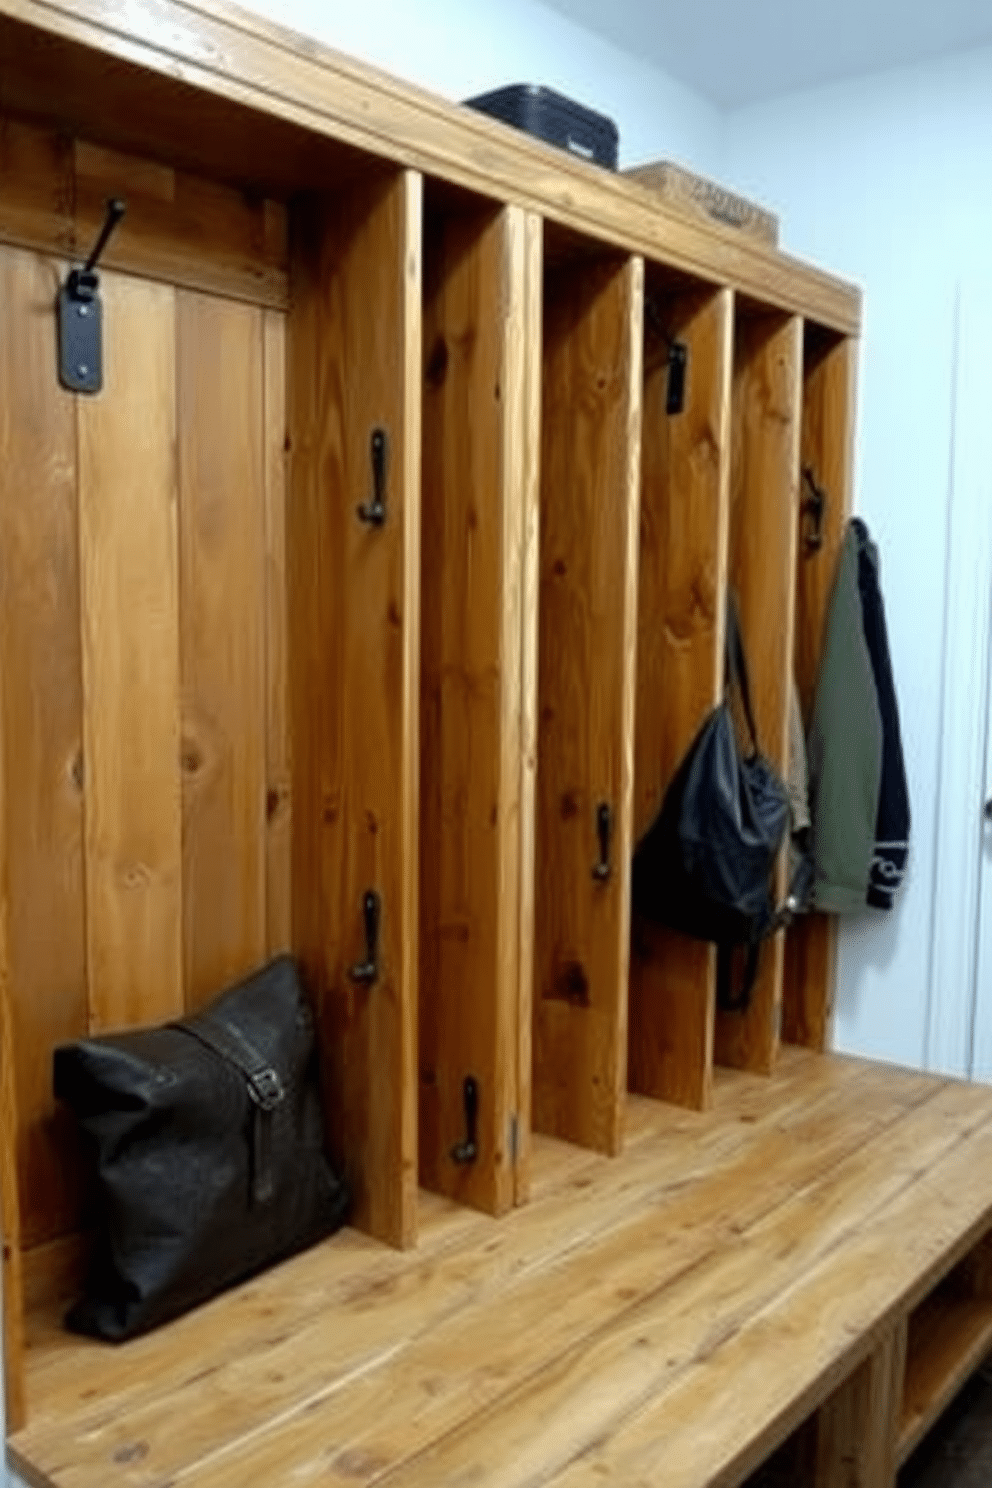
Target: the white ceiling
(740, 51)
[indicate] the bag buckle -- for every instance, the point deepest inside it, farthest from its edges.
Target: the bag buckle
(265, 1089)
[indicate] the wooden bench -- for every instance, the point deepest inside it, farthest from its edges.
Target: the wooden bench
(810, 1250)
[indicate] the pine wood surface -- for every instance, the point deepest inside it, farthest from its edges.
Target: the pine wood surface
(131, 714)
(599, 1335)
(223, 613)
(240, 59)
(354, 596)
(178, 227)
(530, 578)
(764, 516)
(590, 493)
(827, 450)
(42, 724)
(685, 474)
(474, 483)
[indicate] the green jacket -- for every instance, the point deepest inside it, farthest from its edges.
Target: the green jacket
(845, 749)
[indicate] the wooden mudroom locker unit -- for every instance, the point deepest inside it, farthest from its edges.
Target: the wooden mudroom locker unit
(365, 614)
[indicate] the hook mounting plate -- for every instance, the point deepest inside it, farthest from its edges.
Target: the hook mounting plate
(80, 317)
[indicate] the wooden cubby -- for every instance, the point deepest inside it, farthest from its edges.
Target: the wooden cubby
(353, 593)
(380, 567)
(766, 413)
(685, 483)
(590, 488)
(482, 265)
(829, 380)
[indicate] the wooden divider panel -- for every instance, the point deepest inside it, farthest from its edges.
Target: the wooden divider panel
(685, 477)
(764, 507)
(829, 373)
(130, 610)
(590, 488)
(278, 795)
(530, 606)
(475, 480)
(354, 369)
(223, 609)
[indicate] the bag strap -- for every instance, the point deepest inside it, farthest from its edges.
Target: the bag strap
(735, 665)
(727, 1000)
(265, 1089)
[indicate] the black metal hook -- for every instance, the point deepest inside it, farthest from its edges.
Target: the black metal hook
(80, 316)
(678, 360)
(468, 1151)
(604, 830)
(368, 970)
(83, 283)
(811, 511)
(374, 511)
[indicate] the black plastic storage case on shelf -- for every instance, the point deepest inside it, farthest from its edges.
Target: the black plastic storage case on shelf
(552, 117)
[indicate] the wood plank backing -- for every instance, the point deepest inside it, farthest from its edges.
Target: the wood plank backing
(590, 487)
(179, 228)
(129, 585)
(764, 504)
(685, 476)
(223, 632)
(244, 60)
(41, 723)
(530, 454)
(827, 450)
(354, 626)
(278, 796)
(474, 484)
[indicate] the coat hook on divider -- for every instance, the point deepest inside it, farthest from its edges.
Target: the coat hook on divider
(678, 360)
(811, 511)
(80, 316)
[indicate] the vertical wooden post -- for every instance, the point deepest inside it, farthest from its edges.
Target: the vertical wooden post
(685, 479)
(764, 509)
(475, 483)
(590, 491)
(532, 331)
(354, 586)
(856, 1428)
(829, 373)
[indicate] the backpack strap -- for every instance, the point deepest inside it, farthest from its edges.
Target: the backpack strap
(727, 1000)
(735, 665)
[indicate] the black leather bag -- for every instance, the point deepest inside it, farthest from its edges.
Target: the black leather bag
(209, 1152)
(705, 864)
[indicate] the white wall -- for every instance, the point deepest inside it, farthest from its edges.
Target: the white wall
(888, 179)
(459, 49)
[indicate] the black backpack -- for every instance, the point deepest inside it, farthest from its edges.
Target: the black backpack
(704, 866)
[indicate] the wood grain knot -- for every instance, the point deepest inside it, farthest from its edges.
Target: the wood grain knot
(571, 984)
(134, 1452)
(560, 569)
(76, 777)
(437, 363)
(275, 796)
(191, 758)
(393, 614)
(569, 805)
(371, 823)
